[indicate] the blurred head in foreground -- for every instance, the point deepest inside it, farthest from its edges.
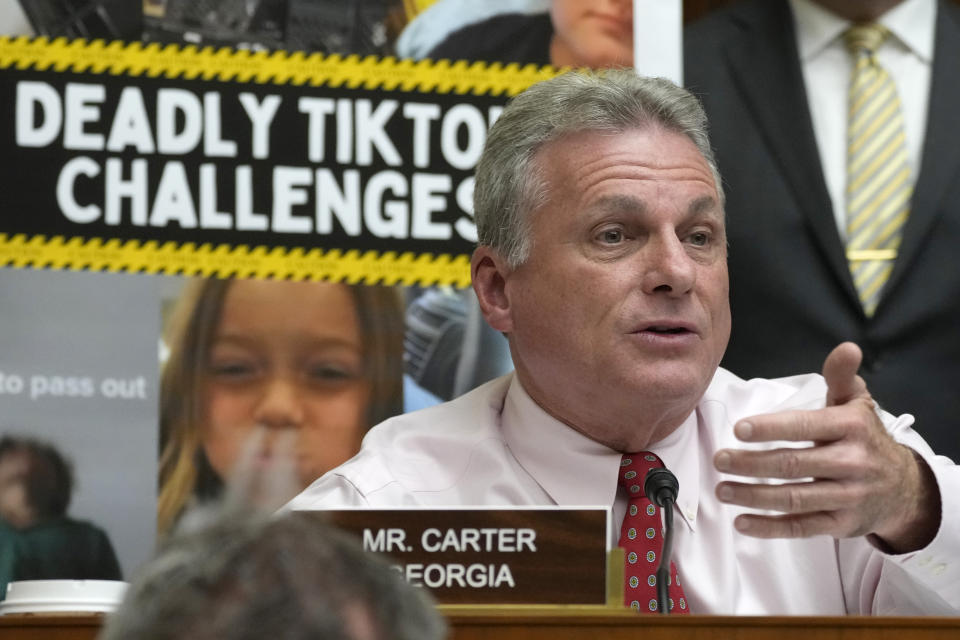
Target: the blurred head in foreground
(245, 577)
(263, 360)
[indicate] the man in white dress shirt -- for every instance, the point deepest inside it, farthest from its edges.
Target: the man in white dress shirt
(602, 257)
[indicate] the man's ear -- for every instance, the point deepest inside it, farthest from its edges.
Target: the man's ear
(489, 273)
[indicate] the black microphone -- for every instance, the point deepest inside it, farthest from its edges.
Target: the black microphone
(661, 487)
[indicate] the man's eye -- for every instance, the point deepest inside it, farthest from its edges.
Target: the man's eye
(611, 236)
(700, 239)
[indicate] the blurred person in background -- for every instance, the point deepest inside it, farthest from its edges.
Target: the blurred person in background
(38, 540)
(257, 360)
(842, 225)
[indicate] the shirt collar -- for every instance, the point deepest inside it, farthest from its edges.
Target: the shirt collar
(680, 452)
(912, 23)
(575, 470)
(571, 468)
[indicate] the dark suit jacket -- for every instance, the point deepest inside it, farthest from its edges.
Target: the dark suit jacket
(791, 292)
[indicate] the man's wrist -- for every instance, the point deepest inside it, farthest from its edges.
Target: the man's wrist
(921, 511)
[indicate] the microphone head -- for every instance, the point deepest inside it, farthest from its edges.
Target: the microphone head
(660, 485)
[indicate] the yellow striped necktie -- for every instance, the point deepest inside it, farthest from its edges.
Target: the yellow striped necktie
(879, 185)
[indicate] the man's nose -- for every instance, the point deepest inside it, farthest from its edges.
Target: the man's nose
(280, 405)
(668, 268)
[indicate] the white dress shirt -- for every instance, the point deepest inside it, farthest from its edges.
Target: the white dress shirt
(907, 55)
(496, 446)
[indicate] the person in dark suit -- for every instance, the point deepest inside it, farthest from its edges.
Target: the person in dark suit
(773, 78)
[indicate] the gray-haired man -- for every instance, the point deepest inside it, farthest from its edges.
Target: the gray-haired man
(602, 257)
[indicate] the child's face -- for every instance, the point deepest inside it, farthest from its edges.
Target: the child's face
(286, 357)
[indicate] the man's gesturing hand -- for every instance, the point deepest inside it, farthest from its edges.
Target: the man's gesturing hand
(854, 479)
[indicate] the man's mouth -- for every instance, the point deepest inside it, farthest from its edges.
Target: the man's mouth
(667, 330)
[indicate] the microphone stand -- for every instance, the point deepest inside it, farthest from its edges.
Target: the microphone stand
(661, 488)
(663, 569)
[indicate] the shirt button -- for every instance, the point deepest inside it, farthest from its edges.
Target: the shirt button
(691, 516)
(924, 561)
(938, 569)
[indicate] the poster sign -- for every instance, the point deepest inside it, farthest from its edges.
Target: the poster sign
(232, 163)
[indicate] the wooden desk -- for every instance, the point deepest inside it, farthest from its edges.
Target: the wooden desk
(584, 623)
(50, 627)
(588, 623)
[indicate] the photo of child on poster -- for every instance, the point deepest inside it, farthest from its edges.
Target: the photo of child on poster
(251, 362)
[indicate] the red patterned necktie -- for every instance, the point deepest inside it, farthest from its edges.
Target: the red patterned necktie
(641, 537)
